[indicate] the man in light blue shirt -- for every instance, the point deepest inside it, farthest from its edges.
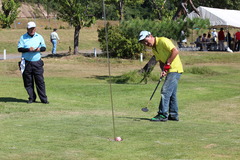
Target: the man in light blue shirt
(31, 44)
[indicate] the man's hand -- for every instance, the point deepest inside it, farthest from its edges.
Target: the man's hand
(163, 74)
(37, 50)
(31, 49)
(166, 67)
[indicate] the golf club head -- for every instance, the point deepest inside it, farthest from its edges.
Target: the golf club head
(145, 109)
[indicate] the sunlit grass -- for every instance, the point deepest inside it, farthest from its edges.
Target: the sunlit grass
(77, 124)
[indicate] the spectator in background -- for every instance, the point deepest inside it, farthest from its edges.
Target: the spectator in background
(221, 39)
(198, 42)
(204, 37)
(237, 41)
(229, 39)
(214, 35)
(214, 38)
(204, 42)
(54, 40)
(209, 40)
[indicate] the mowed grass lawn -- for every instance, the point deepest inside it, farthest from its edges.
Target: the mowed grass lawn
(88, 39)
(78, 124)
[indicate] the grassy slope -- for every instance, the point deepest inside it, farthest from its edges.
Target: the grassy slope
(88, 36)
(77, 124)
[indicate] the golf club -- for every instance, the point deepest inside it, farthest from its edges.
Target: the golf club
(145, 109)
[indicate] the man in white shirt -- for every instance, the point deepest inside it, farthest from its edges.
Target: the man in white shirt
(214, 35)
(54, 39)
(214, 38)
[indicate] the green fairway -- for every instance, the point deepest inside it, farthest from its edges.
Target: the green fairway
(78, 125)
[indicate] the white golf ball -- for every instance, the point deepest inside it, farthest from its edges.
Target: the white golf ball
(118, 139)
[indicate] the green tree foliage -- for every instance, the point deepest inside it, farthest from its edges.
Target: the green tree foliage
(9, 13)
(144, 9)
(121, 5)
(123, 39)
(118, 44)
(162, 8)
(77, 13)
(224, 4)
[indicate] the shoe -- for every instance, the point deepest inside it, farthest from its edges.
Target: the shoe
(159, 118)
(45, 102)
(31, 101)
(173, 119)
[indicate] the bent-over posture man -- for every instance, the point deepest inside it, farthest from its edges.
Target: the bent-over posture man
(167, 55)
(31, 44)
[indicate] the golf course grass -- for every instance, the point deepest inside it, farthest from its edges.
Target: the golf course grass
(78, 122)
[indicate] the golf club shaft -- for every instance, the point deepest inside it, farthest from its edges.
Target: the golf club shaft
(156, 88)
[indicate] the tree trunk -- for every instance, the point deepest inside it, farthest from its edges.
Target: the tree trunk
(76, 38)
(182, 9)
(147, 69)
(121, 4)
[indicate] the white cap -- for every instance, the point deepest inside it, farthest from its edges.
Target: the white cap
(31, 25)
(143, 35)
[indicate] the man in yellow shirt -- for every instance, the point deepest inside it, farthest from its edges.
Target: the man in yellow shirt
(167, 55)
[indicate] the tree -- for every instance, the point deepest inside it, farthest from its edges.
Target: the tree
(182, 9)
(121, 4)
(9, 13)
(158, 7)
(224, 4)
(77, 13)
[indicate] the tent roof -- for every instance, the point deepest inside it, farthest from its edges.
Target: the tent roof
(218, 17)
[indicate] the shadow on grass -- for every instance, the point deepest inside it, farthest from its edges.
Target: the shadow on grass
(136, 118)
(11, 99)
(57, 55)
(101, 77)
(116, 79)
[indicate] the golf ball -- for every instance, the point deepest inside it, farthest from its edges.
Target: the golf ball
(118, 139)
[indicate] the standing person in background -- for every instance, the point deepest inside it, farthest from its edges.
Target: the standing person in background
(237, 41)
(167, 55)
(198, 43)
(221, 39)
(204, 42)
(31, 44)
(229, 39)
(214, 38)
(214, 35)
(54, 40)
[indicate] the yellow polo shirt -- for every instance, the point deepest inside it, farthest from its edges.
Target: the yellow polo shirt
(162, 52)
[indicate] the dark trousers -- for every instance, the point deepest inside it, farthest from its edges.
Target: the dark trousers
(33, 73)
(238, 45)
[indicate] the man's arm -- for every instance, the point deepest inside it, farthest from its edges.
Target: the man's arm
(174, 53)
(166, 66)
(23, 50)
(42, 49)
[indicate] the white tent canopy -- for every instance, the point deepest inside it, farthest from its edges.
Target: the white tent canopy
(218, 17)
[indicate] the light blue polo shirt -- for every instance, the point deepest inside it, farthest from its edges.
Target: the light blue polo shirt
(26, 41)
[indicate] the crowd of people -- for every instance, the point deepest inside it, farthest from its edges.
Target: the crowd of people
(218, 41)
